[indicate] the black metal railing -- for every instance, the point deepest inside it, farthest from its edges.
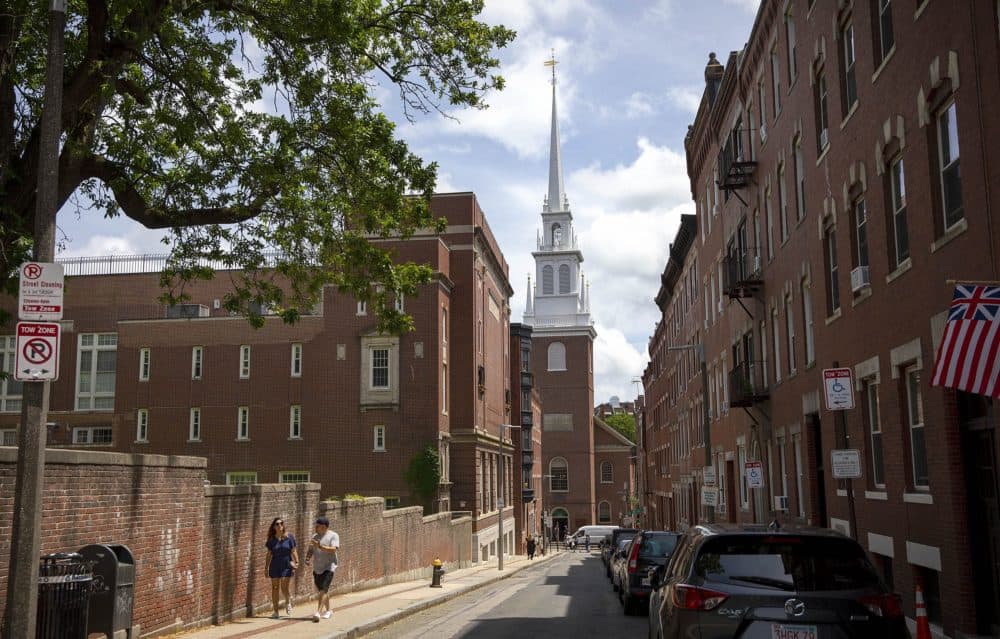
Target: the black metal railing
(734, 170)
(742, 275)
(746, 385)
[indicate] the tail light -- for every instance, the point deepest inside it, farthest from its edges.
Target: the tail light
(889, 606)
(694, 598)
(633, 559)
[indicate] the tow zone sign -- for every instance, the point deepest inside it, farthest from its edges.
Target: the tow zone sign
(37, 357)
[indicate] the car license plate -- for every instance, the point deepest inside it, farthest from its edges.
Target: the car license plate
(645, 581)
(785, 631)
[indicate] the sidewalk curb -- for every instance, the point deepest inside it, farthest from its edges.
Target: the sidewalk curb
(420, 606)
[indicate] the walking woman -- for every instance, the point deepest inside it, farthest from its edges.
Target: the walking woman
(282, 560)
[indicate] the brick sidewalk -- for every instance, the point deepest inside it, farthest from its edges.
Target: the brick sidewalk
(364, 611)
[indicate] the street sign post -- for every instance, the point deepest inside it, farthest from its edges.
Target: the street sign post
(838, 384)
(755, 474)
(37, 355)
(40, 291)
(846, 464)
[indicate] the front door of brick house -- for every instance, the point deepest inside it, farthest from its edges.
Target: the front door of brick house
(977, 415)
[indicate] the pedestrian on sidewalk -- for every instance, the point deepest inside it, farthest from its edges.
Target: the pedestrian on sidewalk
(322, 554)
(282, 560)
(530, 546)
(586, 542)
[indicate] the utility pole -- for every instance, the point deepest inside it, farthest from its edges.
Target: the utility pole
(22, 588)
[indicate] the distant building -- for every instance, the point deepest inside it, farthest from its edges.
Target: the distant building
(614, 406)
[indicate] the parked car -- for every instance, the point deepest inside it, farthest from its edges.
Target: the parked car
(727, 582)
(655, 575)
(594, 533)
(619, 555)
(648, 549)
(612, 543)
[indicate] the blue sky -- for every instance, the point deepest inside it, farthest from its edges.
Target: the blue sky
(630, 78)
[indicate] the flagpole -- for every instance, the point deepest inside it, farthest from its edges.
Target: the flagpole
(977, 282)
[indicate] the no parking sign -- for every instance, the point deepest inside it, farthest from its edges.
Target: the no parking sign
(37, 357)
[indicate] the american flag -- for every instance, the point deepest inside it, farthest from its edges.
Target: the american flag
(969, 356)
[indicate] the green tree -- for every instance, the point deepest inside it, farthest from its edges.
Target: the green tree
(424, 475)
(247, 130)
(624, 423)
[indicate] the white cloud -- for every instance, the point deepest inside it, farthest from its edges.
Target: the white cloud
(750, 6)
(133, 240)
(639, 105)
(616, 363)
(687, 99)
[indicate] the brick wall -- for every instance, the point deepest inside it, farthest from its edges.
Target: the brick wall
(199, 549)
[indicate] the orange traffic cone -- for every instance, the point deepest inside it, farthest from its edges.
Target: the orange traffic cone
(923, 626)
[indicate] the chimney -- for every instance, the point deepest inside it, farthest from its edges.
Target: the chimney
(713, 78)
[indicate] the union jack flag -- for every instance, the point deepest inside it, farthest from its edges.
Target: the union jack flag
(968, 358)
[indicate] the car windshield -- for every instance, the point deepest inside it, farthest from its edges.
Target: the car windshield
(786, 563)
(623, 544)
(661, 545)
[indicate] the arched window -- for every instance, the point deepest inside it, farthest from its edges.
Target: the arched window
(607, 472)
(558, 475)
(556, 234)
(564, 278)
(604, 513)
(547, 280)
(557, 356)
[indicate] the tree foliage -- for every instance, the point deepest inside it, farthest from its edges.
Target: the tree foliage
(247, 130)
(424, 474)
(624, 423)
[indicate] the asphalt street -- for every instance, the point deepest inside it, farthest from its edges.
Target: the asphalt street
(568, 597)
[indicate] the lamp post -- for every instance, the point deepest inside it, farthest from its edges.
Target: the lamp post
(707, 420)
(500, 501)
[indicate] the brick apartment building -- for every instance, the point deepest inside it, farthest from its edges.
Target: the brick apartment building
(830, 215)
(526, 407)
(327, 399)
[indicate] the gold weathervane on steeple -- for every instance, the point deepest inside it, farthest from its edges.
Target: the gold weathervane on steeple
(551, 62)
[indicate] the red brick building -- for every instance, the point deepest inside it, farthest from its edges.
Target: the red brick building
(326, 400)
(844, 168)
(526, 408)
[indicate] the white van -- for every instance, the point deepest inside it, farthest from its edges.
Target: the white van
(595, 533)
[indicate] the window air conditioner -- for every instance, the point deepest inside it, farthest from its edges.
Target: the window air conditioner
(860, 278)
(781, 503)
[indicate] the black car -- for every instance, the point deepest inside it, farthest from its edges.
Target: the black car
(618, 556)
(649, 548)
(742, 582)
(611, 543)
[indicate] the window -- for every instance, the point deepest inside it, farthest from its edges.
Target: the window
(243, 423)
(915, 418)
(295, 422)
(564, 278)
(194, 425)
(92, 435)
(244, 361)
(776, 81)
(884, 35)
(899, 240)
(10, 388)
(790, 333)
(143, 364)
(762, 112)
(948, 164)
(400, 303)
(607, 472)
(782, 467)
(556, 230)
(874, 418)
(782, 203)
(822, 110)
(800, 496)
(557, 356)
(142, 425)
(741, 455)
(769, 219)
(807, 321)
(832, 286)
(558, 475)
(444, 389)
(547, 286)
(197, 353)
(800, 180)
(293, 476)
(604, 513)
(96, 363)
(776, 341)
(848, 81)
(362, 307)
(860, 215)
(378, 438)
(763, 351)
(241, 478)
(296, 360)
(790, 46)
(720, 469)
(391, 502)
(8, 437)
(380, 368)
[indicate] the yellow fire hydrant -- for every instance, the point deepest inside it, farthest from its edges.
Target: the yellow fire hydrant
(436, 575)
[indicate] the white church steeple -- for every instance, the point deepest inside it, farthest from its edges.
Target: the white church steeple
(556, 200)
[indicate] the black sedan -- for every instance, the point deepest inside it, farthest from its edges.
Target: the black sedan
(649, 549)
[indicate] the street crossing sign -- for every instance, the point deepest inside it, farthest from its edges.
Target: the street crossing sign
(37, 356)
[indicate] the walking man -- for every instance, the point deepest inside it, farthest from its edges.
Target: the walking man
(322, 554)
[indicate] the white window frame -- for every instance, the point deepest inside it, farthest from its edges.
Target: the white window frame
(8, 437)
(741, 457)
(800, 179)
(241, 478)
(763, 352)
(142, 425)
(873, 411)
(949, 112)
(295, 421)
(783, 467)
(776, 341)
(808, 323)
(564, 466)
(444, 389)
(720, 470)
(91, 432)
(378, 438)
(243, 423)
(294, 477)
(609, 476)
(194, 425)
(362, 307)
(782, 204)
(296, 359)
(832, 270)
(11, 390)
(762, 112)
(88, 399)
(790, 334)
(861, 231)
(197, 361)
(897, 199)
(776, 80)
(916, 423)
(799, 493)
(885, 8)
(790, 44)
(372, 368)
(769, 221)
(601, 508)
(400, 303)
(850, 62)
(244, 361)
(144, 364)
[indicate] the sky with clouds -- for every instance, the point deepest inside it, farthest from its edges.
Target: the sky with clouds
(630, 77)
